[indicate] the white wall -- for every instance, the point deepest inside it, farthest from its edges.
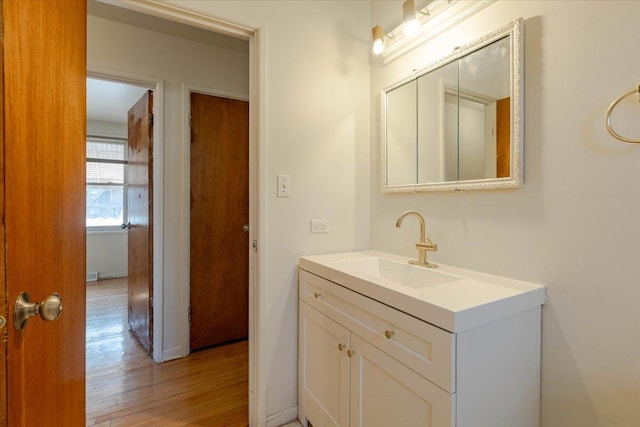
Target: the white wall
(124, 50)
(107, 250)
(317, 131)
(107, 253)
(471, 140)
(431, 131)
(574, 224)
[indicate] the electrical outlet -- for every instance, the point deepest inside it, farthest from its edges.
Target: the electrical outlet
(284, 186)
(319, 225)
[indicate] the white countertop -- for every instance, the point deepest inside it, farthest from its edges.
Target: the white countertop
(451, 298)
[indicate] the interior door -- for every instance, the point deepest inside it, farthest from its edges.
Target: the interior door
(503, 138)
(43, 191)
(219, 248)
(140, 207)
(3, 282)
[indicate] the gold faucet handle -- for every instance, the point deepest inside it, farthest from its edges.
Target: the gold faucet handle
(427, 245)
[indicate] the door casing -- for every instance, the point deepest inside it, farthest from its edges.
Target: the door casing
(257, 180)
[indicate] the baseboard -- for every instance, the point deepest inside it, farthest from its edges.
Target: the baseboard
(104, 276)
(173, 353)
(283, 417)
(92, 277)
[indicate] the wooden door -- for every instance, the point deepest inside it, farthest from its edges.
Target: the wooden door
(503, 138)
(140, 206)
(43, 186)
(219, 248)
(3, 283)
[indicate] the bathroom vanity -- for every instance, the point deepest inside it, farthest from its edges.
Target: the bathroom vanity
(385, 343)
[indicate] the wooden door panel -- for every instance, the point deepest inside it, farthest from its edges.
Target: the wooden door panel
(3, 283)
(219, 247)
(140, 206)
(44, 179)
(503, 138)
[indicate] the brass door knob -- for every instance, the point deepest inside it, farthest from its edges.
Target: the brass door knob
(389, 334)
(341, 347)
(50, 308)
(351, 352)
(317, 295)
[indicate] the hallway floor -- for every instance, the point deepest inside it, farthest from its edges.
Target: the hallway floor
(126, 388)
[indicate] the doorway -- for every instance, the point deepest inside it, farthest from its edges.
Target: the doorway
(110, 201)
(169, 260)
(111, 206)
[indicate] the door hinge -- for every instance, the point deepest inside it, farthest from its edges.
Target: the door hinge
(150, 119)
(190, 119)
(255, 246)
(150, 302)
(189, 317)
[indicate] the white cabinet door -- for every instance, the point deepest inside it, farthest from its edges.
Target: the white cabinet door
(324, 369)
(386, 393)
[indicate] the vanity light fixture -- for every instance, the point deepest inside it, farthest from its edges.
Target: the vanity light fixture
(378, 39)
(411, 25)
(409, 12)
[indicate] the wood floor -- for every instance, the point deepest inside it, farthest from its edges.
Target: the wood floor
(126, 388)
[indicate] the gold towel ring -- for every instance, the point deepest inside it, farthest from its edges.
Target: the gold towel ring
(607, 117)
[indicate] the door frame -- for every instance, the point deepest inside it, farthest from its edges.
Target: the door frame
(257, 185)
(185, 260)
(157, 86)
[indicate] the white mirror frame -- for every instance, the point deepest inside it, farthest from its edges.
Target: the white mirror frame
(515, 31)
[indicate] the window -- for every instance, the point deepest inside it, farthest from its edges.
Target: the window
(106, 182)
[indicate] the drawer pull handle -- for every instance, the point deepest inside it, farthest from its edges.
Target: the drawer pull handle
(351, 352)
(341, 347)
(317, 295)
(389, 334)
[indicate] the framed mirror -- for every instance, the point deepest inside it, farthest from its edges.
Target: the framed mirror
(457, 125)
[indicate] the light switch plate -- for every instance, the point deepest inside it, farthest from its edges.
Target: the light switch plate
(284, 186)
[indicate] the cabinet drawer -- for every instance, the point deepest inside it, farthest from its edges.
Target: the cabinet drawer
(426, 349)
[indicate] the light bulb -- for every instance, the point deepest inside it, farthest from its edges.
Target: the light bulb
(378, 39)
(411, 27)
(378, 47)
(411, 23)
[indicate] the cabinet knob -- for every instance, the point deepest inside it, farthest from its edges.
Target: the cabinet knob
(317, 295)
(351, 352)
(341, 347)
(389, 334)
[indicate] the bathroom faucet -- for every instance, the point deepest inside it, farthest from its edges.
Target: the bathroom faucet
(424, 244)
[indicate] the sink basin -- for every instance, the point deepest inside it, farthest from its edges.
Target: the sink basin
(451, 298)
(402, 273)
